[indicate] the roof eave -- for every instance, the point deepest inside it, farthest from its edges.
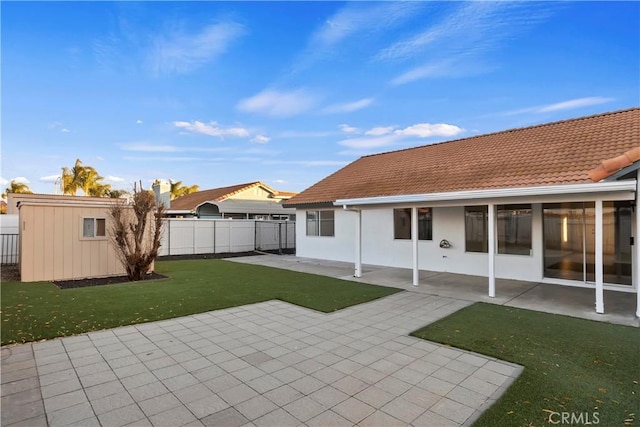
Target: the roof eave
(495, 193)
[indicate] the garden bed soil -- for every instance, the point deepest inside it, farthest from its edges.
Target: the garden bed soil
(100, 281)
(10, 273)
(224, 255)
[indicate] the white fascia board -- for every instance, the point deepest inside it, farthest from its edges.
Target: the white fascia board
(497, 193)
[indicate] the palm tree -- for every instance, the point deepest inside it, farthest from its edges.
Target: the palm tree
(84, 178)
(179, 190)
(116, 194)
(16, 187)
(71, 180)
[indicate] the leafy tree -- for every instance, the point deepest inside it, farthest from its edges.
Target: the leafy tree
(135, 232)
(179, 190)
(16, 187)
(116, 194)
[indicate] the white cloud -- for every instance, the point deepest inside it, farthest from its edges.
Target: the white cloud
(178, 52)
(355, 19)
(99, 158)
(21, 179)
(165, 159)
(426, 130)
(575, 103)
(152, 148)
(388, 136)
(303, 163)
(562, 106)
(167, 148)
(3, 181)
(348, 129)
(112, 178)
(275, 103)
(211, 129)
(279, 181)
(379, 131)
(372, 142)
(304, 134)
(58, 126)
(138, 122)
(348, 107)
(457, 43)
(50, 178)
(261, 139)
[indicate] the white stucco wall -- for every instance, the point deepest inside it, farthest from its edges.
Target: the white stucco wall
(380, 248)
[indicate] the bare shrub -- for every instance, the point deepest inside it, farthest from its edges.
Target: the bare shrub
(136, 231)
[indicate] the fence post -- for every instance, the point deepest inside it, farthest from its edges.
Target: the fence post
(255, 234)
(215, 221)
(280, 238)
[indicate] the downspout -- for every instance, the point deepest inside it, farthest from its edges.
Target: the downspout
(358, 253)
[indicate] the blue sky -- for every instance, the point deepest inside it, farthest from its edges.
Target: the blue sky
(220, 93)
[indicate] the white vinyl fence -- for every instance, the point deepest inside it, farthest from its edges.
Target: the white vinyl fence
(187, 236)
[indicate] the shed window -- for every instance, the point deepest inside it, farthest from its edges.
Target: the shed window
(402, 223)
(321, 223)
(94, 227)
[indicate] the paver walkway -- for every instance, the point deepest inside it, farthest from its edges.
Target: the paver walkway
(266, 364)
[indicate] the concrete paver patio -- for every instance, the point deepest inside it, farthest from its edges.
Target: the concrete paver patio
(620, 307)
(266, 364)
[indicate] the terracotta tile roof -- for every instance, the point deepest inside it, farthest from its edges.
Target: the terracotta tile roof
(611, 166)
(549, 154)
(191, 201)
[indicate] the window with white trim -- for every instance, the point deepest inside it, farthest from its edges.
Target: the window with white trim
(321, 223)
(402, 224)
(94, 227)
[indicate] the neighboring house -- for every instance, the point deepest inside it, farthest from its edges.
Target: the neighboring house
(254, 200)
(66, 237)
(553, 203)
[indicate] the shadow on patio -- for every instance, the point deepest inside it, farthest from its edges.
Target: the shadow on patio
(571, 301)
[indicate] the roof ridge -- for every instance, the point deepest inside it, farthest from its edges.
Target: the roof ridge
(505, 131)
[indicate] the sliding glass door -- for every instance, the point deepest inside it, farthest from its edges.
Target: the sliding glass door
(569, 241)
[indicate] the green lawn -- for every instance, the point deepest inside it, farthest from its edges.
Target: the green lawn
(571, 365)
(33, 311)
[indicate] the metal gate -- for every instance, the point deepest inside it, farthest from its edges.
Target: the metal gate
(275, 236)
(9, 249)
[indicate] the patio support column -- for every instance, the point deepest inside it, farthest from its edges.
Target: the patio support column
(636, 272)
(491, 235)
(414, 244)
(599, 270)
(358, 267)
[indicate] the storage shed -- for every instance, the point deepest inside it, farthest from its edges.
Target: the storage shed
(65, 240)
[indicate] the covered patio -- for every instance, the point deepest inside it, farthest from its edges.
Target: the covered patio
(549, 298)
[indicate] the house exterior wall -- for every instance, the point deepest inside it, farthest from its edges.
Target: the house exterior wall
(380, 248)
(52, 246)
(253, 193)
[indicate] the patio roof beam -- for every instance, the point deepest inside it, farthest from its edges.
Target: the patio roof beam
(599, 258)
(636, 273)
(414, 244)
(518, 192)
(357, 271)
(491, 234)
